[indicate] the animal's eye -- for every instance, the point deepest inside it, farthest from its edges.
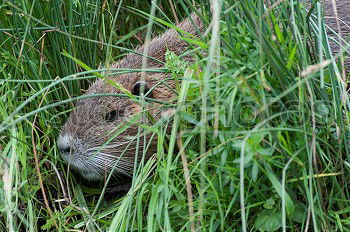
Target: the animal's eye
(111, 116)
(137, 89)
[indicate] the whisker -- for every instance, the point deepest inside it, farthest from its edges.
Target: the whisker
(110, 145)
(111, 161)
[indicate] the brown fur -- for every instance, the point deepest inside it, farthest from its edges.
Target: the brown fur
(86, 130)
(331, 19)
(343, 13)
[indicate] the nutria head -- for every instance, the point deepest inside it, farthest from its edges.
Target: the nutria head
(90, 141)
(100, 134)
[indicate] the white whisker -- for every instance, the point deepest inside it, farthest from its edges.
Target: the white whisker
(110, 145)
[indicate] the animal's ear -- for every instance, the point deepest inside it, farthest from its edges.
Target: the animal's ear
(138, 88)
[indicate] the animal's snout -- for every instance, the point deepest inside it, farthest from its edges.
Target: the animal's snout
(65, 144)
(65, 149)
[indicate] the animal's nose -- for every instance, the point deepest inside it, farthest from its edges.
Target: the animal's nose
(65, 149)
(65, 145)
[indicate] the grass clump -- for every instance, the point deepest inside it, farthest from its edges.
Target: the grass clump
(259, 140)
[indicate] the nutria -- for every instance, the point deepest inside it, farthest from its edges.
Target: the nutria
(88, 141)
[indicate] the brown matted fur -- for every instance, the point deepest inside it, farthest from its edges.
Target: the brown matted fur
(83, 139)
(86, 142)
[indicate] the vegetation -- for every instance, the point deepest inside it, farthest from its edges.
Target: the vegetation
(259, 140)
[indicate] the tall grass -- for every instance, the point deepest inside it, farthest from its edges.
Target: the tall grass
(259, 140)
